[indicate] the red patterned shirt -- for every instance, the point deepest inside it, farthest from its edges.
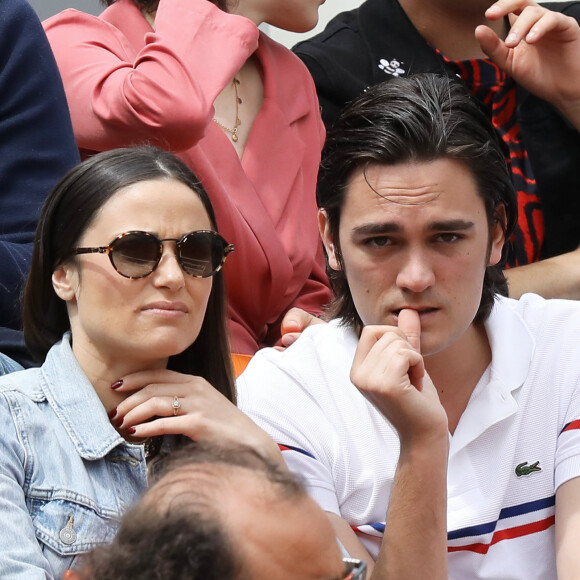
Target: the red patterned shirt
(497, 91)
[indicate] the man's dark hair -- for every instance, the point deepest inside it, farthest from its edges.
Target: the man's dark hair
(178, 531)
(419, 118)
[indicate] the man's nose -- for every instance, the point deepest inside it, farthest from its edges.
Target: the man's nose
(416, 272)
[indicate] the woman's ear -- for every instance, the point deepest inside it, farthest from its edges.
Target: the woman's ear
(65, 282)
(328, 240)
(497, 240)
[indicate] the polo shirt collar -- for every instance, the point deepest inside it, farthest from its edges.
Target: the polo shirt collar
(512, 348)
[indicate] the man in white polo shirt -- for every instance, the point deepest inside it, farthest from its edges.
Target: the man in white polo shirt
(481, 481)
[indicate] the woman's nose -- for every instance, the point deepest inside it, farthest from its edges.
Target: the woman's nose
(169, 272)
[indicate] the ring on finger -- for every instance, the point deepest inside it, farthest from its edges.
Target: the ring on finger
(176, 405)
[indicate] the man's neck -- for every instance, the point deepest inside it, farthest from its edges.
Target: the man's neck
(456, 371)
(450, 25)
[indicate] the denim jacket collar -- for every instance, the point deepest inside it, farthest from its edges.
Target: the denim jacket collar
(76, 403)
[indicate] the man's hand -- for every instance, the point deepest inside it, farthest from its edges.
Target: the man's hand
(541, 52)
(389, 370)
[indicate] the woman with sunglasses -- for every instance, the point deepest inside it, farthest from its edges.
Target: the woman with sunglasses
(124, 308)
(198, 78)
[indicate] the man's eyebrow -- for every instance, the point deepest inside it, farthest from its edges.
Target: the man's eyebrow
(377, 228)
(451, 225)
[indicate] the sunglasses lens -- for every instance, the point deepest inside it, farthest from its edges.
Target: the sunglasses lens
(136, 254)
(201, 253)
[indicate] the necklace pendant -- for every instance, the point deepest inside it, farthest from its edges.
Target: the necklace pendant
(235, 138)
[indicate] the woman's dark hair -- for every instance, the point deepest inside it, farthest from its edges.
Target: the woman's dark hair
(419, 118)
(150, 6)
(69, 210)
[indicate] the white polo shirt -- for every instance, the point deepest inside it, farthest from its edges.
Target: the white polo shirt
(516, 442)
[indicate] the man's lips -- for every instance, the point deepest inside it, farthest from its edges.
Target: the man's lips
(421, 310)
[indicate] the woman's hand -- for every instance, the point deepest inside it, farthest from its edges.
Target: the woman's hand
(203, 414)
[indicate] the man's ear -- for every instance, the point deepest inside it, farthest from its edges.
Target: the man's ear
(497, 234)
(65, 282)
(328, 240)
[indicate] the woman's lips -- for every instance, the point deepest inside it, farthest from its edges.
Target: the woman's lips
(166, 308)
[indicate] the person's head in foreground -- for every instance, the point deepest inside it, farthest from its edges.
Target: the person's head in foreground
(127, 257)
(416, 203)
(223, 514)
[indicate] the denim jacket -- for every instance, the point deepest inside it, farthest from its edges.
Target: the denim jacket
(66, 475)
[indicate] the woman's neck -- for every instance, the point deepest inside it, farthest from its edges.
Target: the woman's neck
(103, 370)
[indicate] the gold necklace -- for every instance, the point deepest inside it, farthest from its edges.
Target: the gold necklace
(237, 123)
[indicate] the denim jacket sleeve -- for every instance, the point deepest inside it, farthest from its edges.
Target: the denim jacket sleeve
(21, 556)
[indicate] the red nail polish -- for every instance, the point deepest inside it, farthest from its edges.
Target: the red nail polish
(131, 430)
(112, 413)
(117, 384)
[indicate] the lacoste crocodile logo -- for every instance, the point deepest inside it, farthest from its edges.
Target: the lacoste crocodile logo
(525, 469)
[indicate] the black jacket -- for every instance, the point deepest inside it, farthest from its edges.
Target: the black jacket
(377, 41)
(37, 147)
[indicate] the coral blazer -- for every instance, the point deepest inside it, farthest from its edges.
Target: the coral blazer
(128, 84)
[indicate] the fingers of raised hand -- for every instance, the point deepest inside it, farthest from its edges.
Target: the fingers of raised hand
(382, 360)
(148, 408)
(170, 400)
(502, 8)
(529, 21)
(137, 381)
(533, 24)
(410, 323)
(370, 335)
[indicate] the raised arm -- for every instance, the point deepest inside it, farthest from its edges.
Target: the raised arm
(389, 371)
(568, 530)
(127, 84)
